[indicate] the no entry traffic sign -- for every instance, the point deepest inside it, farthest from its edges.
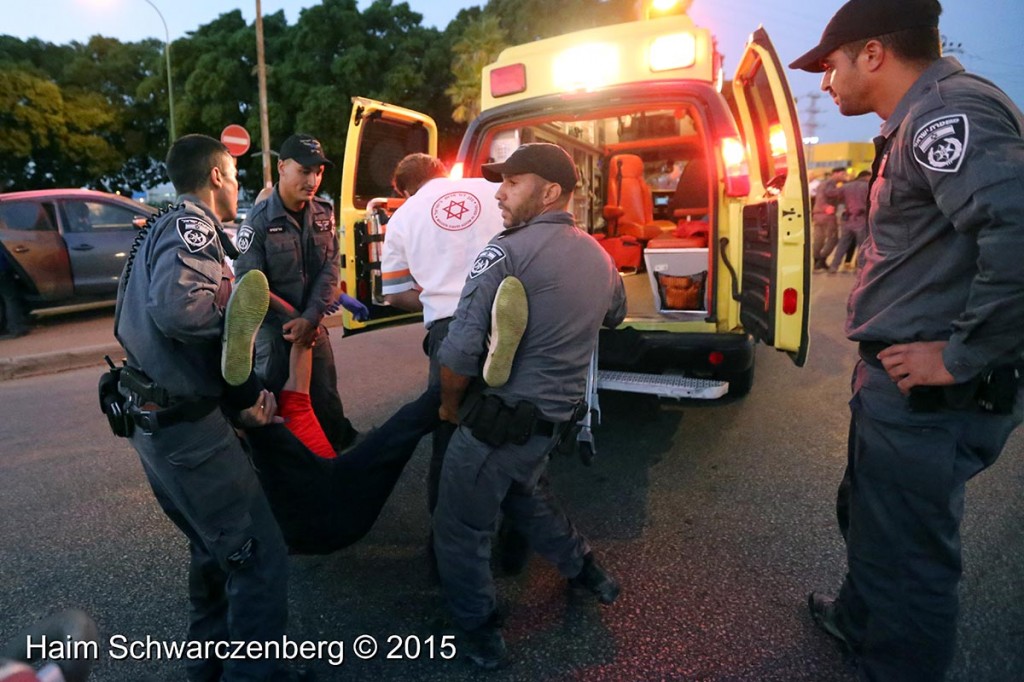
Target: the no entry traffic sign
(236, 139)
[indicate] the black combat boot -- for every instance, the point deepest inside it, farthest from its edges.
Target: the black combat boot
(484, 646)
(594, 579)
(825, 614)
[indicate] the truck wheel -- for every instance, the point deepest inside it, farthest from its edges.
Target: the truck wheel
(740, 384)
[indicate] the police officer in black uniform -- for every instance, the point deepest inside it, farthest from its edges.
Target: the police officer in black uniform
(291, 238)
(938, 312)
(169, 319)
(498, 457)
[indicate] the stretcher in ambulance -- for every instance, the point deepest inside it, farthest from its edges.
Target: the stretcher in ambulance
(700, 197)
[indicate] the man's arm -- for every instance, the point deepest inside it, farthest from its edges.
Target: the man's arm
(453, 391)
(183, 292)
(984, 199)
(406, 300)
(325, 283)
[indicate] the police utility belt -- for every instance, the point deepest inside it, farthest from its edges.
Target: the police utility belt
(493, 422)
(131, 399)
(994, 391)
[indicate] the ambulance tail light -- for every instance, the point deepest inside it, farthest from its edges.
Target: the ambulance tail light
(777, 140)
(508, 80)
(737, 173)
(457, 171)
(586, 67)
(673, 51)
(790, 299)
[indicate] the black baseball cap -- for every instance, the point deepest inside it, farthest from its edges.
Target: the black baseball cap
(305, 149)
(863, 19)
(549, 161)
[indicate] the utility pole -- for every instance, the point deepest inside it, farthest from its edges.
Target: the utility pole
(810, 124)
(261, 74)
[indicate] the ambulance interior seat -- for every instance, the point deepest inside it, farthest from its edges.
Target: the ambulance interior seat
(630, 208)
(690, 206)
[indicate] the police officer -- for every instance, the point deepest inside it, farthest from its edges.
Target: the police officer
(168, 317)
(534, 392)
(291, 238)
(823, 217)
(938, 312)
(853, 196)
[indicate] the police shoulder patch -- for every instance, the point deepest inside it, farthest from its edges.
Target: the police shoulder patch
(243, 240)
(491, 255)
(940, 144)
(196, 233)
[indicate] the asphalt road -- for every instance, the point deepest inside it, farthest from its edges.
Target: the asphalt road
(718, 521)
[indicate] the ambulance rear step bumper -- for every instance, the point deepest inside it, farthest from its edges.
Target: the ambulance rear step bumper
(662, 385)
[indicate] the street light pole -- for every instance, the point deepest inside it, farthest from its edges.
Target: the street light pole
(261, 75)
(167, 58)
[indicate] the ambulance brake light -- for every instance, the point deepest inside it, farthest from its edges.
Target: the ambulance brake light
(508, 80)
(586, 67)
(777, 140)
(674, 51)
(737, 173)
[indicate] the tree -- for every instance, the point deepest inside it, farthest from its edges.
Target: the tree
(481, 42)
(482, 36)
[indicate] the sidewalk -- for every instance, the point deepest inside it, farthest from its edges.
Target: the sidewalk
(60, 342)
(72, 341)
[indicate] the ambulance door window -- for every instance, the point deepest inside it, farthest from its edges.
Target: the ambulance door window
(384, 143)
(768, 134)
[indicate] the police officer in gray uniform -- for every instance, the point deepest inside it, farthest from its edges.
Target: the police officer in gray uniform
(291, 238)
(169, 317)
(938, 312)
(500, 451)
(854, 228)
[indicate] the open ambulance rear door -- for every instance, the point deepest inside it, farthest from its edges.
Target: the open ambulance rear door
(775, 284)
(379, 136)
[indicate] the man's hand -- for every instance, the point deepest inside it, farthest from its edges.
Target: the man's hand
(446, 414)
(262, 413)
(300, 331)
(916, 364)
(359, 311)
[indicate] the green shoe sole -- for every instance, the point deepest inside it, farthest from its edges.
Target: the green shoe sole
(243, 316)
(509, 315)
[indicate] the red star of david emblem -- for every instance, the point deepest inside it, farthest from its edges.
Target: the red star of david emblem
(456, 209)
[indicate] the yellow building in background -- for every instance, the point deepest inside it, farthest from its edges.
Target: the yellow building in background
(822, 158)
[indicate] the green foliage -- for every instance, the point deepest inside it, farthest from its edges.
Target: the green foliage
(96, 114)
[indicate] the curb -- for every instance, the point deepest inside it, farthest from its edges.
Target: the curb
(57, 361)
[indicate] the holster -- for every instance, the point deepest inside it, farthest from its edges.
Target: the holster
(495, 423)
(113, 404)
(571, 429)
(994, 392)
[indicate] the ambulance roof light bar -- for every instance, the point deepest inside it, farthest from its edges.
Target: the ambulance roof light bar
(652, 9)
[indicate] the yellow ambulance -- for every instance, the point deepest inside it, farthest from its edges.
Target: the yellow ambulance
(699, 195)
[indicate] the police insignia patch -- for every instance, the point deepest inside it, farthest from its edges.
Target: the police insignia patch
(196, 233)
(939, 145)
(323, 224)
(488, 257)
(243, 240)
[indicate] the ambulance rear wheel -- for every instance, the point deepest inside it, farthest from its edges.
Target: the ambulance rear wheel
(740, 384)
